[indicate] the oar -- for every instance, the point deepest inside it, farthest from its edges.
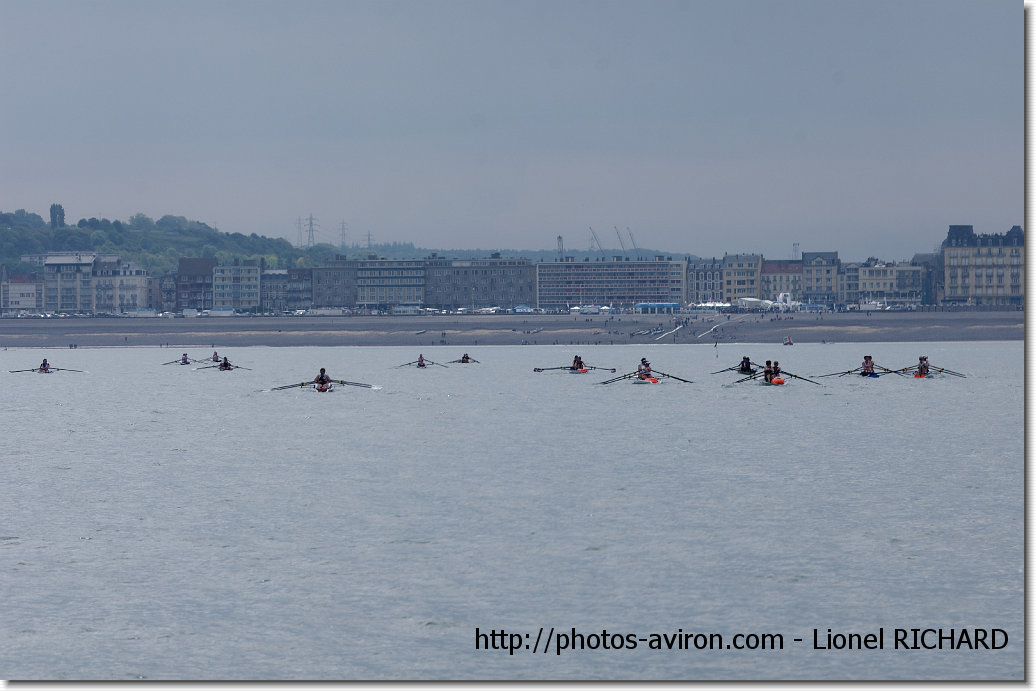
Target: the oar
(593, 367)
(26, 370)
(791, 374)
(732, 367)
(66, 370)
(745, 379)
(289, 386)
(460, 360)
(850, 372)
(620, 377)
(948, 372)
(406, 364)
(840, 373)
(665, 374)
(354, 384)
(432, 362)
(563, 367)
(887, 371)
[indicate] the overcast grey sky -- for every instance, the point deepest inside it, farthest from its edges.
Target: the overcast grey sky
(703, 126)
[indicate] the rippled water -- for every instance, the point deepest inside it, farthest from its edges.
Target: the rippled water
(162, 522)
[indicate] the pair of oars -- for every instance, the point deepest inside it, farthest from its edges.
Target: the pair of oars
(306, 384)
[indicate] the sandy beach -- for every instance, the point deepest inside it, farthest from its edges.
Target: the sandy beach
(474, 330)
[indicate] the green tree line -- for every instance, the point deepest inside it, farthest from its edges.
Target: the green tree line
(158, 245)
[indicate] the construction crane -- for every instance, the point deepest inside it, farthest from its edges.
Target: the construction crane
(598, 240)
(621, 244)
(631, 238)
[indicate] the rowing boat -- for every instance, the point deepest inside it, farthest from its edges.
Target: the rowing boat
(578, 371)
(646, 380)
(329, 387)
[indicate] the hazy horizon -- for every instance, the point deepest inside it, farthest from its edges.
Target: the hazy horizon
(703, 128)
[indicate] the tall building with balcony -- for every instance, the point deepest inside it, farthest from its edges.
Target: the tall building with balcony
(704, 280)
(781, 276)
(273, 290)
(300, 289)
(382, 284)
(479, 283)
(68, 281)
(236, 286)
(194, 282)
(20, 293)
(984, 269)
(120, 286)
(820, 278)
(891, 283)
(617, 282)
(742, 277)
(334, 285)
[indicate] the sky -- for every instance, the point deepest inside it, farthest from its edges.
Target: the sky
(693, 126)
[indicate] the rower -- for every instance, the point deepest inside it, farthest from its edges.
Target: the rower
(745, 366)
(322, 381)
(867, 369)
(225, 365)
(44, 366)
(465, 359)
(577, 364)
(420, 360)
(215, 357)
(768, 372)
(184, 360)
(644, 369)
(776, 371)
(922, 366)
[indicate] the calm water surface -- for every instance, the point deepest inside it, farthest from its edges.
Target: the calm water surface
(163, 522)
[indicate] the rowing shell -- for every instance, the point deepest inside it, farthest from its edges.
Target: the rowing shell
(323, 387)
(575, 371)
(646, 380)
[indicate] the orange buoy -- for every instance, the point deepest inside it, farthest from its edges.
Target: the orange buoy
(777, 380)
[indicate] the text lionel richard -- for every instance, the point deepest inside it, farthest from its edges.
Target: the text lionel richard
(913, 638)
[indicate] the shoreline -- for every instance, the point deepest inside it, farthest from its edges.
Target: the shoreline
(510, 330)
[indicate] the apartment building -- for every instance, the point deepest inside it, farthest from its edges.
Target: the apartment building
(891, 283)
(120, 286)
(300, 289)
(479, 283)
(20, 293)
(273, 290)
(68, 282)
(385, 283)
(986, 269)
(781, 276)
(617, 282)
(194, 283)
(742, 277)
(236, 286)
(334, 285)
(704, 280)
(820, 277)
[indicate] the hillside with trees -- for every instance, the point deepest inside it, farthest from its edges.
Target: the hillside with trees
(158, 245)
